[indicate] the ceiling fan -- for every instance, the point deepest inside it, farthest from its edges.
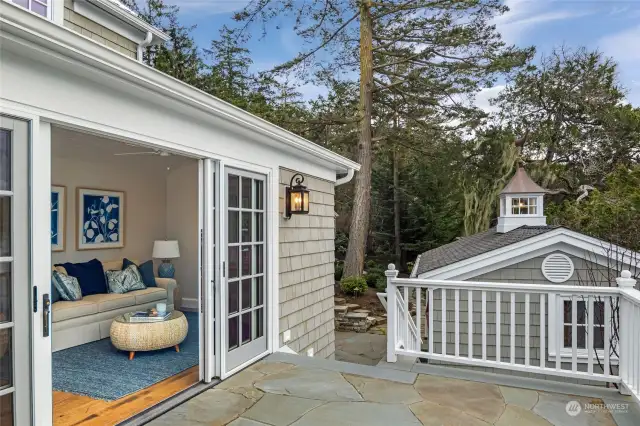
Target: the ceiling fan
(154, 152)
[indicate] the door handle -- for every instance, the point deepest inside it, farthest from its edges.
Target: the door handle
(46, 309)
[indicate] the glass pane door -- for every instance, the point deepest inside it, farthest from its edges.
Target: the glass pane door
(15, 380)
(245, 274)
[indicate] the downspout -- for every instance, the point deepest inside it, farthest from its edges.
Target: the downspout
(144, 43)
(346, 178)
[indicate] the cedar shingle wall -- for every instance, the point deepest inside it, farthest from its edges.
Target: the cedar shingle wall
(306, 270)
(97, 32)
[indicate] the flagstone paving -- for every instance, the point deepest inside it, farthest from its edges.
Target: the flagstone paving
(281, 394)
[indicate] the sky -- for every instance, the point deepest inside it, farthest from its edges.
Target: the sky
(612, 26)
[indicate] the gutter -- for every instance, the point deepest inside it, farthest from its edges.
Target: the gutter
(59, 42)
(345, 179)
(144, 43)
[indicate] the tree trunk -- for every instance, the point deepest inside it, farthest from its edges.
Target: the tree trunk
(396, 209)
(359, 228)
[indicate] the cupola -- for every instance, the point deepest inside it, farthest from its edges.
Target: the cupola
(521, 203)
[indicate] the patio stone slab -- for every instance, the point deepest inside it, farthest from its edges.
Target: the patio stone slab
(383, 391)
(552, 407)
(280, 410)
(480, 400)
(241, 421)
(356, 359)
(309, 383)
(359, 413)
(242, 379)
(271, 367)
(212, 408)
(431, 414)
(524, 398)
(514, 415)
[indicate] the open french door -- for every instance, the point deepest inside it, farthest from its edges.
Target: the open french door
(244, 283)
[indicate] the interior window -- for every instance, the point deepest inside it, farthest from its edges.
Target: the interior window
(582, 323)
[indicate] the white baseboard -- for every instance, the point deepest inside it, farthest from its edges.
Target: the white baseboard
(189, 303)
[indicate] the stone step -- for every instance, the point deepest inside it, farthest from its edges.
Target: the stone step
(362, 311)
(381, 320)
(340, 309)
(352, 306)
(339, 300)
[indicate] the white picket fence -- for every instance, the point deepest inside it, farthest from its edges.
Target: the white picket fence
(618, 362)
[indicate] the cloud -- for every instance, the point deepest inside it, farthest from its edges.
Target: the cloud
(524, 15)
(619, 45)
(210, 7)
(484, 95)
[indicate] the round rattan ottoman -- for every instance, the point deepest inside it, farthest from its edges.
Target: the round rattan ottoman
(148, 336)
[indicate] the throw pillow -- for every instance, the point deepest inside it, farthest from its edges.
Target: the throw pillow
(90, 275)
(55, 294)
(67, 286)
(146, 270)
(125, 281)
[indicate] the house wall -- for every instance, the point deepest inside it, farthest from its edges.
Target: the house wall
(306, 270)
(97, 32)
(145, 198)
(182, 225)
(526, 272)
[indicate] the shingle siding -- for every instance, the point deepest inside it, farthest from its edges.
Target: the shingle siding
(306, 270)
(527, 272)
(97, 32)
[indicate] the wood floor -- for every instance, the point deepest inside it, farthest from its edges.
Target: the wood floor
(70, 409)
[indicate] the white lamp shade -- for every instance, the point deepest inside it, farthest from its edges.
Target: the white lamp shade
(166, 249)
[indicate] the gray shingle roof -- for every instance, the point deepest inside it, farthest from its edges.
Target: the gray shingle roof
(474, 245)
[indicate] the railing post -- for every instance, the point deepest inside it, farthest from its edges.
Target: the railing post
(624, 345)
(392, 313)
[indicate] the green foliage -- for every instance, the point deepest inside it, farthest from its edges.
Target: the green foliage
(353, 285)
(611, 213)
(410, 266)
(338, 270)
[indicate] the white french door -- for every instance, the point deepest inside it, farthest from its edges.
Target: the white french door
(245, 279)
(15, 288)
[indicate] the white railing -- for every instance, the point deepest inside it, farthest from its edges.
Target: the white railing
(578, 332)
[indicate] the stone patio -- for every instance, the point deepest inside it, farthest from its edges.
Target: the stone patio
(282, 393)
(360, 348)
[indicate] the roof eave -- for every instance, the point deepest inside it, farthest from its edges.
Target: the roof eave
(47, 36)
(158, 35)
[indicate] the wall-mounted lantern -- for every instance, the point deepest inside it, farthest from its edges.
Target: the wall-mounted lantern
(296, 197)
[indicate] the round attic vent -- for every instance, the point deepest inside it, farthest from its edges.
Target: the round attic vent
(557, 268)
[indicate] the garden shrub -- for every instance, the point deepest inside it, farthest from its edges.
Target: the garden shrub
(338, 270)
(353, 285)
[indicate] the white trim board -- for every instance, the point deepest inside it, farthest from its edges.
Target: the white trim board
(561, 239)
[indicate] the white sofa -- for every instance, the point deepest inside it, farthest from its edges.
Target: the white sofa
(89, 319)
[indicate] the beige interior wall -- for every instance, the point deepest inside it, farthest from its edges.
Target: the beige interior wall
(145, 204)
(182, 225)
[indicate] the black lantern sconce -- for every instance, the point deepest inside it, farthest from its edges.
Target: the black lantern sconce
(296, 197)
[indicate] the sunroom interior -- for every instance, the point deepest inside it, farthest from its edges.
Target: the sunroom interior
(115, 204)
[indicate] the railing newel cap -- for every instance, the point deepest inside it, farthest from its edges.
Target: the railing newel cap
(391, 271)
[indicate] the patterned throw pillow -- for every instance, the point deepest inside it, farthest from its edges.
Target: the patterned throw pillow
(67, 286)
(124, 281)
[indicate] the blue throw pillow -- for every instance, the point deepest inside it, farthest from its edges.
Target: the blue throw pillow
(55, 295)
(145, 269)
(67, 286)
(90, 275)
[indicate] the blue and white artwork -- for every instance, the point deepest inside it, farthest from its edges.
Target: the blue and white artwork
(100, 219)
(58, 212)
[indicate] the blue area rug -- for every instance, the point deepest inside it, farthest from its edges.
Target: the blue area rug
(100, 371)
